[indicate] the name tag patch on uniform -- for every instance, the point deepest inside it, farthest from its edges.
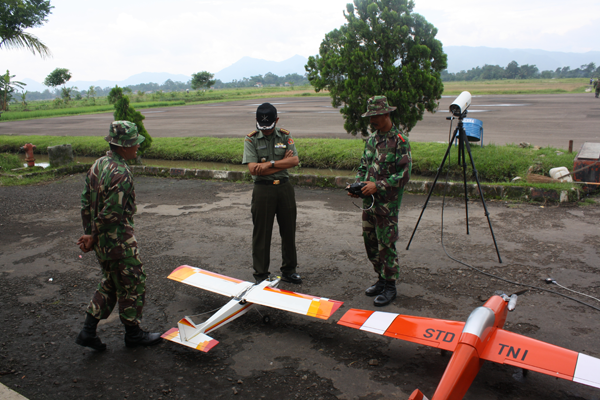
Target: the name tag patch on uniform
(280, 146)
(262, 147)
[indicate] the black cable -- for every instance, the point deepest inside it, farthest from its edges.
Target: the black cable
(487, 273)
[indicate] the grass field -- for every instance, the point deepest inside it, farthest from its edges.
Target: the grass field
(494, 163)
(518, 86)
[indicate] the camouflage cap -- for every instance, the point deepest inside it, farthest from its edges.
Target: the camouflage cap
(124, 134)
(378, 105)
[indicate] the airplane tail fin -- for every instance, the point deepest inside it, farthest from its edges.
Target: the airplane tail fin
(417, 395)
(188, 335)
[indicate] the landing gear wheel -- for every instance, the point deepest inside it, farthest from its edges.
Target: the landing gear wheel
(266, 320)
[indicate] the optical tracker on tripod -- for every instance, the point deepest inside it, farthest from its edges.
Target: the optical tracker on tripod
(458, 109)
(460, 105)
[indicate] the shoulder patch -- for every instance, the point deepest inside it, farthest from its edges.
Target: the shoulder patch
(284, 131)
(252, 133)
(401, 138)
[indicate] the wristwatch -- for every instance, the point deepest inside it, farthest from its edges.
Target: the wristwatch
(272, 164)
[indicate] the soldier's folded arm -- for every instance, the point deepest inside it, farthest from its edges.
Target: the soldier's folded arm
(267, 169)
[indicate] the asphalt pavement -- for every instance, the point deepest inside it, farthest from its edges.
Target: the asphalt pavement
(542, 120)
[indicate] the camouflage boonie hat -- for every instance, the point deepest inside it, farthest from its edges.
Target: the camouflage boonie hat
(124, 134)
(378, 105)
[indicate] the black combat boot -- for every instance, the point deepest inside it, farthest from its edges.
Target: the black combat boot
(387, 295)
(87, 337)
(135, 336)
(376, 289)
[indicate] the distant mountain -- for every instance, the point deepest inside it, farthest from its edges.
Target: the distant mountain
(248, 66)
(144, 77)
(464, 58)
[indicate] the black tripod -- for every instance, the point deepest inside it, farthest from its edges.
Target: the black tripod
(463, 143)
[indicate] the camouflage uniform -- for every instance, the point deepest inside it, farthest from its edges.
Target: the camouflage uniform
(107, 209)
(387, 161)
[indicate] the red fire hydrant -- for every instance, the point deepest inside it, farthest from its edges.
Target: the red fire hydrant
(28, 148)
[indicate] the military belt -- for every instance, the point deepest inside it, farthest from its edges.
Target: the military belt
(275, 182)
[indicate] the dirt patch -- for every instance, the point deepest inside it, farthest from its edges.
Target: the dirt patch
(45, 286)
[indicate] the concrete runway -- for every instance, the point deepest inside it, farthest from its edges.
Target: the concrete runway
(542, 120)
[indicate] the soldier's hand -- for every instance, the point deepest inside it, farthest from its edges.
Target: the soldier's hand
(288, 154)
(355, 196)
(86, 243)
(369, 189)
(261, 168)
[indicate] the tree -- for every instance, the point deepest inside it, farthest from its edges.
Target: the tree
(66, 93)
(383, 49)
(7, 87)
(202, 79)
(58, 77)
(18, 15)
(91, 92)
(23, 96)
(125, 112)
(512, 70)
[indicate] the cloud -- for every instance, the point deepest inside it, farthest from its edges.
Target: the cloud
(115, 39)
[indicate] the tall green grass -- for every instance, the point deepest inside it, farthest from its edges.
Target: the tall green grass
(9, 161)
(493, 163)
(61, 112)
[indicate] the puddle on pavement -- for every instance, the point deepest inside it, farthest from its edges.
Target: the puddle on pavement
(42, 160)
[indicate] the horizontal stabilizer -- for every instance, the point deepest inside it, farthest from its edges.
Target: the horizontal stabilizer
(210, 281)
(200, 342)
(318, 307)
(439, 333)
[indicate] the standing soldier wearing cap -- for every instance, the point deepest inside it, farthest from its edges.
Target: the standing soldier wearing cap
(269, 152)
(385, 168)
(107, 208)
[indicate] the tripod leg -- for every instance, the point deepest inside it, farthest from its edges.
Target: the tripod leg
(487, 214)
(462, 137)
(437, 175)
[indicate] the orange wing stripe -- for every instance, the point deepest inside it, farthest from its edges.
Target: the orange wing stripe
(289, 293)
(170, 334)
(181, 273)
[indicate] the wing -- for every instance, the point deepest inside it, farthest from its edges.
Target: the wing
(443, 334)
(210, 281)
(318, 307)
(513, 349)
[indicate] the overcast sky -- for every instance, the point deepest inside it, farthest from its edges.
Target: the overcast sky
(114, 39)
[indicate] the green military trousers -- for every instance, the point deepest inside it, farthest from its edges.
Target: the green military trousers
(123, 281)
(268, 201)
(380, 234)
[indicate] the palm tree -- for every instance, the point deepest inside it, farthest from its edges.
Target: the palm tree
(21, 39)
(7, 86)
(16, 16)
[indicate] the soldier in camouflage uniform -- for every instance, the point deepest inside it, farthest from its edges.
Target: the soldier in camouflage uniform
(107, 209)
(269, 151)
(385, 168)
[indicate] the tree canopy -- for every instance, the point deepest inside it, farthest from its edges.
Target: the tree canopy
(58, 77)
(202, 79)
(18, 15)
(125, 112)
(7, 88)
(383, 49)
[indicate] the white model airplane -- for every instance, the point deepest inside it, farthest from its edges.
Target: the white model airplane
(244, 294)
